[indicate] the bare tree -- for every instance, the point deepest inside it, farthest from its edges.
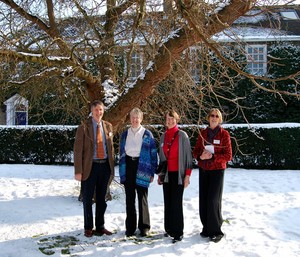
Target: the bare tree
(76, 51)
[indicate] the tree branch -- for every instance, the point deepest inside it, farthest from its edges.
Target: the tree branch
(52, 62)
(166, 56)
(34, 19)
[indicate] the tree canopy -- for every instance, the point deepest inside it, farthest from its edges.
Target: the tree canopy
(75, 51)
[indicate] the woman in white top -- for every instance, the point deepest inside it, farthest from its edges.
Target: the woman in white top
(138, 163)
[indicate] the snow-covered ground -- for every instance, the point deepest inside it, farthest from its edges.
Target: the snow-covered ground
(39, 209)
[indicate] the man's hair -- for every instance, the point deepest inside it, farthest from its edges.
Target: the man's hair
(95, 103)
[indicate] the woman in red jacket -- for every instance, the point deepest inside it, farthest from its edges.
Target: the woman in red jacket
(212, 151)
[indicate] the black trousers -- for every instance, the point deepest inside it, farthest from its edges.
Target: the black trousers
(131, 190)
(173, 216)
(96, 182)
(210, 201)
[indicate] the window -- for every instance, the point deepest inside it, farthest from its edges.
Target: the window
(136, 65)
(256, 59)
(194, 65)
(289, 15)
(20, 115)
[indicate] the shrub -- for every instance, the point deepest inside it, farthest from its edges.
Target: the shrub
(261, 147)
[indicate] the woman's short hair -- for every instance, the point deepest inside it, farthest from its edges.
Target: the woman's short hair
(218, 113)
(137, 111)
(173, 114)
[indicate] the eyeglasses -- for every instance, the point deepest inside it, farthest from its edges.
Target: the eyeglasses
(214, 116)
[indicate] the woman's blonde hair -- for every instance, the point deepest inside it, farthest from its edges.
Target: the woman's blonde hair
(138, 112)
(218, 113)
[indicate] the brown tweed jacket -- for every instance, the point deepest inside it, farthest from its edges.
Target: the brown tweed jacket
(84, 148)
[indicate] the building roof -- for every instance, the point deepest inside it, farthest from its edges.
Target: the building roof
(264, 25)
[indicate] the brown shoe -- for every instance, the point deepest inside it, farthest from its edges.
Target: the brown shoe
(88, 233)
(104, 231)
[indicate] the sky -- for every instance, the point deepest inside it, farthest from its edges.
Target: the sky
(40, 212)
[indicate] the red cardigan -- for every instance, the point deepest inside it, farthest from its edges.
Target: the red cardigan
(222, 148)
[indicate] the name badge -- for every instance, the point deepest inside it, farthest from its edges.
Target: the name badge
(217, 142)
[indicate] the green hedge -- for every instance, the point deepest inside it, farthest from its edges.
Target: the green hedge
(258, 147)
(266, 147)
(37, 144)
(261, 146)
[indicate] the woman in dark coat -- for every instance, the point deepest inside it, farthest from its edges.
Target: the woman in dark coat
(212, 151)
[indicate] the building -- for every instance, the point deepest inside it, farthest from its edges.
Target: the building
(253, 33)
(15, 111)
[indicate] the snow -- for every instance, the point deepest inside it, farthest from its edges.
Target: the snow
(39, 202)
(111, 92)
(225, 125)
(253, 16)
(253, 34)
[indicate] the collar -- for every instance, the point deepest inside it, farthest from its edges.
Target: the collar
(215, 129)
(96, 123)
(172, 131)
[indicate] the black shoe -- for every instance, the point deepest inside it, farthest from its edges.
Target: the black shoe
(167, 234)
(128, 234)
(204, 235)
(144, 232)
(177, 239)
(216, 239)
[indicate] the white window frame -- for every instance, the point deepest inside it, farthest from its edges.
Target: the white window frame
(256, 59)
(136, 65)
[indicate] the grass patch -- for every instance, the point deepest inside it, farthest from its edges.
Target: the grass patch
(49, 245)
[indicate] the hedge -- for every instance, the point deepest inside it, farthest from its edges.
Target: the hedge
(37, 144)
(265, 146)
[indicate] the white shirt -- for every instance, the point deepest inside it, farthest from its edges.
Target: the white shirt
(134, 141)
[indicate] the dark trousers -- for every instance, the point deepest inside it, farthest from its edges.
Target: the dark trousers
(131, 189)
(210, 201)
(96, 182)
(173, 215)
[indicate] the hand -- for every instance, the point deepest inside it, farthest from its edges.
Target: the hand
(151, 179)
(186, 181)
(205, 155)
(159, 181)
(78, 176)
